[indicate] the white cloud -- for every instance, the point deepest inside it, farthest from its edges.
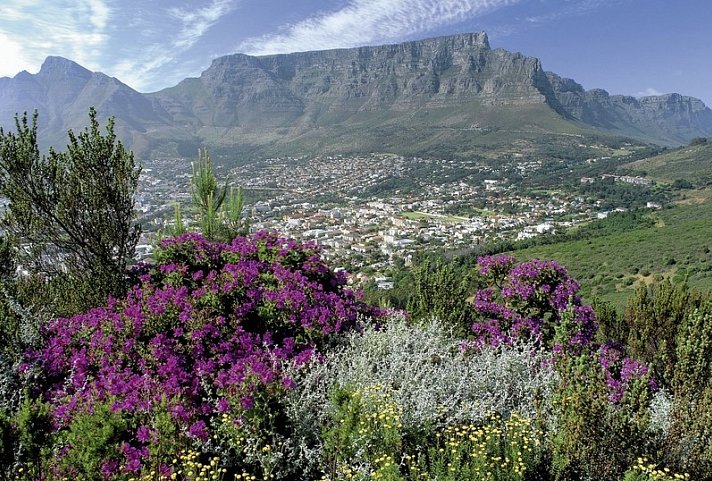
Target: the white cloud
(13, 60)
(649, 92)
(99, 13)
(71, 28)
(575, 8)
(364, 22)
(197, 22)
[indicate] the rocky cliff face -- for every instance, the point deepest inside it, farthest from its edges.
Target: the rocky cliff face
(430, 94)
(304, 88)
(667, 118)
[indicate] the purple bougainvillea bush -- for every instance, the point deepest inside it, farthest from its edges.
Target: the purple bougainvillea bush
(537, 300)
(527, 300)
(601, 405)
(197, 346)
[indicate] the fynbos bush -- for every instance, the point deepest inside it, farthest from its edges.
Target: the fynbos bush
(527, 301)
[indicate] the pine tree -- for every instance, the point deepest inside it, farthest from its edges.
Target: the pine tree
(219, 208)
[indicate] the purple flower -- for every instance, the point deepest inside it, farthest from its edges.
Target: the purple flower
(143, 434)
(289, 383)
(528, 301)
(133, 458)
(223, 406)
(198, 430)
(208, 319)
(109, 468)
(247, 402)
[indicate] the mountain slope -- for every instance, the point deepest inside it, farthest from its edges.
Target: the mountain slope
(357, 99)
(665, 119)
(62, 92)
(453, 95)
(691, 163)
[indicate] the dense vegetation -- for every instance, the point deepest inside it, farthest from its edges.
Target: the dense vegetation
(247, 357)
(673, 244)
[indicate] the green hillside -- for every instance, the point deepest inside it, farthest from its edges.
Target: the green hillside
(692, 163)
(677, 245)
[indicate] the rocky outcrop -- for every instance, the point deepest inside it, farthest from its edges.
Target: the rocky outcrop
(281, 90)
(670, 119)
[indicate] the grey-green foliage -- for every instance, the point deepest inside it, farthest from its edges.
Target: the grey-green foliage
(19, 328)
(219, 208)
(72, 211)
(660, 416)
(434, 382)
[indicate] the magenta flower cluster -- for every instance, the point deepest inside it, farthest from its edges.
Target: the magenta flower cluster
(621, 372)
(537, 300)
(527, 300)
(210, 325)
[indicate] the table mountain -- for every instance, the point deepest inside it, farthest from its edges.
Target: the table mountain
(448, 94)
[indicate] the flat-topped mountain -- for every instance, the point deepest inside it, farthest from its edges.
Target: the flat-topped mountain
(423, 96)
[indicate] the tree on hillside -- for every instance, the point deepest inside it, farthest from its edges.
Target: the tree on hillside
(71, 212)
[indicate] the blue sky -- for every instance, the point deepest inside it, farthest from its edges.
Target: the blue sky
(633, 47)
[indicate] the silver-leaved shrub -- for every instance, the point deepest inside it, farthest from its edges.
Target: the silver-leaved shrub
(435, 382)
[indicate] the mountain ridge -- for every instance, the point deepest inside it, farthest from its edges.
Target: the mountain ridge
(413, 96)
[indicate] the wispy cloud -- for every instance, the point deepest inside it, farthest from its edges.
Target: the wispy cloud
(162, 55)
(364, 22)
(140, 70)
(570, 9)
(75, 29)
(649, 92)
(197, 22)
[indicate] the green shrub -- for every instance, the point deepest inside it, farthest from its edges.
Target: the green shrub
(498, 450)
(441, 291)
(653, 317)
(363, 437)
(611, 325)
(689, 445)
(95, 440)
(31, 440)
(595, 439)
